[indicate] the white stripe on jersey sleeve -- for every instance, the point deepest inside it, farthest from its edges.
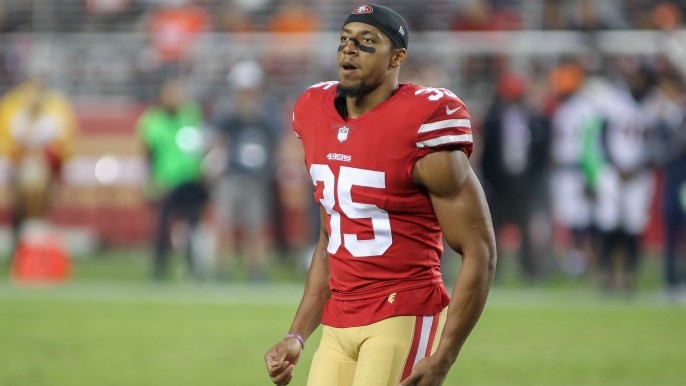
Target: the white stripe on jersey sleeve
(446, 139)
(448, 123)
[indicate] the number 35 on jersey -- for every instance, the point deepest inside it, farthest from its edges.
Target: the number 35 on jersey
(346, 179)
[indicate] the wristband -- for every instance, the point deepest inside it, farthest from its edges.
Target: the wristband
(298, 337)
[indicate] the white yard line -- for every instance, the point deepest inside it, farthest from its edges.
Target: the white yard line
(289, 294)
(171, 293)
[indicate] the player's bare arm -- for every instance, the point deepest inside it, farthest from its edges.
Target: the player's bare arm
(462, 211)
(283, 356)
(317, 292)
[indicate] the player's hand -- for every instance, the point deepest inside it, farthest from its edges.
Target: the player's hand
(428, 372)
(281, 360)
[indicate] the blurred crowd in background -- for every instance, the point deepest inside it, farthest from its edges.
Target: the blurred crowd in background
(313, 15)
(166, 123)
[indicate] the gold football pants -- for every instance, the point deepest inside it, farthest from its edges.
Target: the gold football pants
(380, 354)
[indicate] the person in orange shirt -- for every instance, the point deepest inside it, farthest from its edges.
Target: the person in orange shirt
(293, 17)
(174, 28)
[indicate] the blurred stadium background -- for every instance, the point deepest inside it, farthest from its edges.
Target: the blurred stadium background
(109, 324)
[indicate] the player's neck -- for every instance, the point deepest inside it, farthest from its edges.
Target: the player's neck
(357, 106)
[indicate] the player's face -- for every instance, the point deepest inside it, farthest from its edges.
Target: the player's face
(364, 54)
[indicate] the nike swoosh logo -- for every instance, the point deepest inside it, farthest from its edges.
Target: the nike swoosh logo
(448, 111)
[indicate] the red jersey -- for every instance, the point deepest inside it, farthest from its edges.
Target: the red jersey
(385, 243)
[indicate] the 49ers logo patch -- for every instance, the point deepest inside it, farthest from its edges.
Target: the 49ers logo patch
(364, 9)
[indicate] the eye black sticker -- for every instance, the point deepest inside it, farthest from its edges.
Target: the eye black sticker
(363, 48)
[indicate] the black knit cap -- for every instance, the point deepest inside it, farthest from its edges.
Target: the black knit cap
(385, 19)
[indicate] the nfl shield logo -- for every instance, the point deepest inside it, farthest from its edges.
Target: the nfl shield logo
(342, 134)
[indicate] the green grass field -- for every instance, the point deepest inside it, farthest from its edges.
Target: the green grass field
(109, 326)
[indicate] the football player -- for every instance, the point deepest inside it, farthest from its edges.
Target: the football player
(389, 163)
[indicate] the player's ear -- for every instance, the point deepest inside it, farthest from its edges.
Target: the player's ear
(398, 57)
